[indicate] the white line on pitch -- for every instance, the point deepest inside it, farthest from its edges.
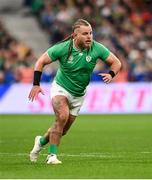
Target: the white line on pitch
(99, 155)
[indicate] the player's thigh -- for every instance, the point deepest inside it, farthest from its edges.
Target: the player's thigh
(61, 106)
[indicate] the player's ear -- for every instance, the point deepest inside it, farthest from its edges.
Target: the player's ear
(74, 34)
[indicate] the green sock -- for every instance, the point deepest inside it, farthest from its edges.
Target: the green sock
(52, 149)
(43, 141)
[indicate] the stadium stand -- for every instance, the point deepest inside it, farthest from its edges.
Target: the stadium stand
(124, 26)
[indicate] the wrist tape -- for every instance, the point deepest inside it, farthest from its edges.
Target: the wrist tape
(37, 78)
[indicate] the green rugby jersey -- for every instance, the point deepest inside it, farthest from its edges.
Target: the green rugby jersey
(74, 73)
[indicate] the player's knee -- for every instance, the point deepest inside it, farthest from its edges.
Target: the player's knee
(63, 118)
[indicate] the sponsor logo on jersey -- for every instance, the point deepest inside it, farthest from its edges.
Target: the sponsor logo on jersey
(80, 54)
(70, 59)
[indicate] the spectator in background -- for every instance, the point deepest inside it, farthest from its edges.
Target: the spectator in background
(16, 59)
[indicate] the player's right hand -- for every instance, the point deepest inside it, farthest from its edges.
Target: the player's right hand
(34, 93)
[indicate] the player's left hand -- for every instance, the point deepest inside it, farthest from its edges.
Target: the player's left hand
(106, 77)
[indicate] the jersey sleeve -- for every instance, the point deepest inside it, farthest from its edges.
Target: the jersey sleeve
(54, 52)
(103, 52)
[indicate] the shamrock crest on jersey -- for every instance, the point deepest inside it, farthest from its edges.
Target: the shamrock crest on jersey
(88, 58)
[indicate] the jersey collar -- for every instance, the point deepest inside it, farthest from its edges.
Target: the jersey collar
(76, 49)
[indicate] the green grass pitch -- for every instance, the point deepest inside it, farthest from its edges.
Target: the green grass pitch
(97, 146)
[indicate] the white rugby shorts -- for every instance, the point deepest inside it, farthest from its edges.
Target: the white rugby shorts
(75, 103)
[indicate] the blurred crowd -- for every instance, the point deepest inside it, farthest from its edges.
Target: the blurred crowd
(16, 59)
(124, 26)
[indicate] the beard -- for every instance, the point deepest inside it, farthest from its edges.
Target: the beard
(84, 45)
